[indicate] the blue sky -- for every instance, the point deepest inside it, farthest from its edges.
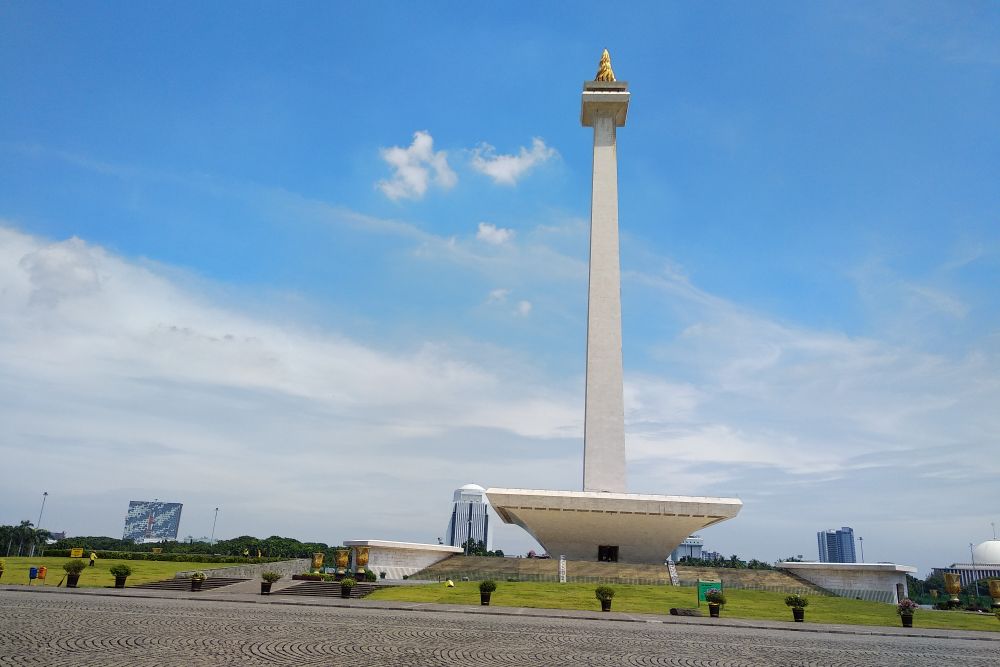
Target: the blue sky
(245, 248)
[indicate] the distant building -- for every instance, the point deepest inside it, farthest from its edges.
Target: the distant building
(470, 517)
(689, 548)
(836, 546)
(152, 521)
(985, 564)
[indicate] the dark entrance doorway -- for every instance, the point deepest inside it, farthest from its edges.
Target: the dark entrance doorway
(607, 554)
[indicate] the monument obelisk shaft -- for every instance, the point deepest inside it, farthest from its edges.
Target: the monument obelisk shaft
(604, 107)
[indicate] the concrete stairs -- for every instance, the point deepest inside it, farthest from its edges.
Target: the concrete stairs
(325, 589)
(477, 568)
(185, 584)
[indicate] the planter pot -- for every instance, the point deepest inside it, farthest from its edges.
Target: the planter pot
(120, 582)
(713, 610)
(196, 584)
(72, 580)
(798, 614)
(605, 605)
(345, 592)
(907, 620)
(484, 599)
(265, 588)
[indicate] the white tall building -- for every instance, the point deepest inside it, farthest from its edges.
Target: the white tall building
(470, 517)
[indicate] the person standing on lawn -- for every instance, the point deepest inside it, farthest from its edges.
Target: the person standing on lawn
(93, 558)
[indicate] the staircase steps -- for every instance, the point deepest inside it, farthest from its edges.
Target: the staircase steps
(477, 568)
(325, 589)
(184, 584)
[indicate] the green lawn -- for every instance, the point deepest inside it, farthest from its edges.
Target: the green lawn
(659, 600)
(143, 571)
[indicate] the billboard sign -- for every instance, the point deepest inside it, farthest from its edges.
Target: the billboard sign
(152, 521)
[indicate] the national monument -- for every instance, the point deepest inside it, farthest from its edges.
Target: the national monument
(604, 521)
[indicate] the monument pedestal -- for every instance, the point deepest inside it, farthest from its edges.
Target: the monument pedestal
(622, 527)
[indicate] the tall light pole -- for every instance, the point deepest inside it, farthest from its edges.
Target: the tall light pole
(38, 524)
(214, 521)
(861, 541)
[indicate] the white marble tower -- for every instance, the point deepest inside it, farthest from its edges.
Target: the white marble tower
(603, 521)
(604, 107)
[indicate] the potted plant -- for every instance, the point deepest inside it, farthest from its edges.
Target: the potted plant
(120, 571)
(905, 609)
(798, 605)
(73, 569)
(2, 566)
(267, 579)
(346, 584)
(715, 600)
(381, 575)
(604, 594)
(197, 579)
(486, 589)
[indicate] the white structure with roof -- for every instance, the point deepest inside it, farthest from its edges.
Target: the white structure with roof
(985, 564)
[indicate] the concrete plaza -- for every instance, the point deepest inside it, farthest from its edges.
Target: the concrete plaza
(107, 628)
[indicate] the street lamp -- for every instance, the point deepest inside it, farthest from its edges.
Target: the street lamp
(861, 541)
(214, 521)
(38, 524)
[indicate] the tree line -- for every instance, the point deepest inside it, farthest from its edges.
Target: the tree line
(24, 537)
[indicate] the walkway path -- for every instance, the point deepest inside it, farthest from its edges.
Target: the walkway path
(109, 628)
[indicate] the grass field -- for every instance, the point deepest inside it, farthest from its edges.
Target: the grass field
(143, 571)
(659, 600)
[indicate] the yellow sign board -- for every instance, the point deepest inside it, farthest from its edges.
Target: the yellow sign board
(76, 553)
(157, 550)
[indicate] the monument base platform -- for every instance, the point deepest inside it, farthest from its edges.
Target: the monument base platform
(623, 527)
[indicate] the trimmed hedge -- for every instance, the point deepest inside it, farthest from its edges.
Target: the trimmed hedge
(174, 558)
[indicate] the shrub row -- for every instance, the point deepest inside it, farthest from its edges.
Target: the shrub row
(174, 558)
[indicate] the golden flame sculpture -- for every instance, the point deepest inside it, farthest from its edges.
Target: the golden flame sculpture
(604, 71)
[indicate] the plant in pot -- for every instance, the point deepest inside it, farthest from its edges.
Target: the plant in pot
(267, 579)
(73, 569)
(605, 595)
(121, 571)
(715, 599)
(2, 566)
(798, 605)
(905, 609)
(346, 584)
(381, 575)
(197, 579)
(486, 589)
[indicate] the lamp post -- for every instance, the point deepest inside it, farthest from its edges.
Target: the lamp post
(214, 521)
(38, 524)
(861, 541)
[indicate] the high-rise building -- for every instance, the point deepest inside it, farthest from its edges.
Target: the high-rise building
(836, 546)
(470, 517)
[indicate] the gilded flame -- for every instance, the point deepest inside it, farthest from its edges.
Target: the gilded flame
(604, 71)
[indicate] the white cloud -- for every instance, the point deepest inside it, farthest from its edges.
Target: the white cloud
(498, 295)
(109, 365)
(490, 233)
(523, 308)
(507, 169)
(414, 167)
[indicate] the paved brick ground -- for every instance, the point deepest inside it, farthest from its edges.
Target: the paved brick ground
(81, 630)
